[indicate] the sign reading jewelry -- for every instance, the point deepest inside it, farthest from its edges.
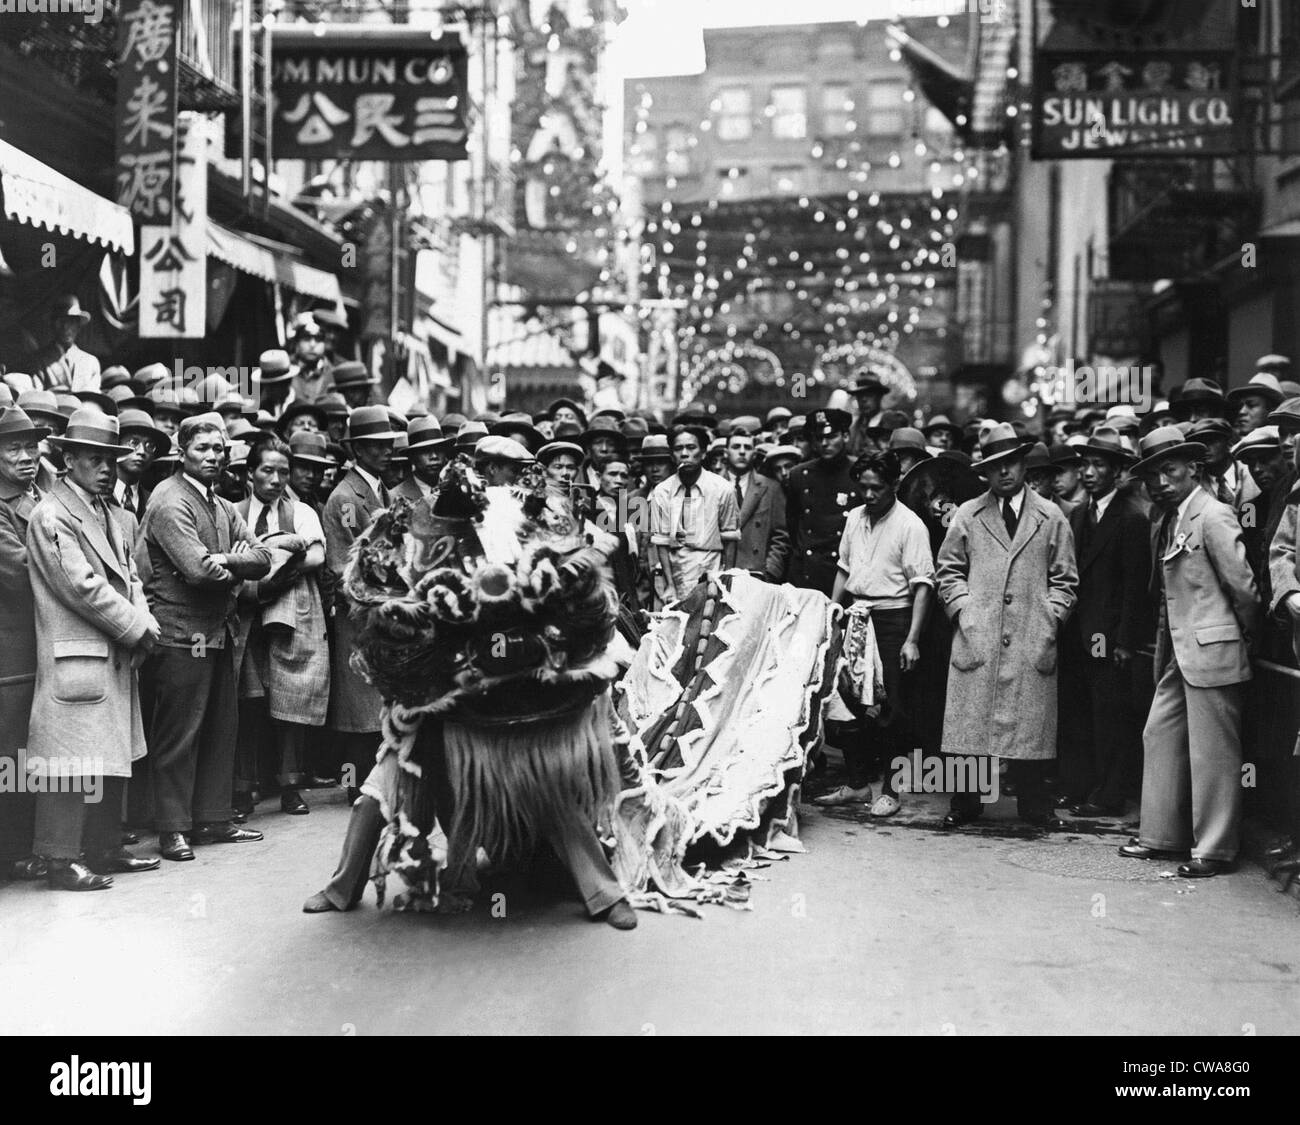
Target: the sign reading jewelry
(1095, 104)
(146, 109)
(389, 94)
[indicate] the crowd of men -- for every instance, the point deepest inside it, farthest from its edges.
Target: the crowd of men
(176, 632)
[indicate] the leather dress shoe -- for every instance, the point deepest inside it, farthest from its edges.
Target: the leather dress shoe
(71, 875)
(121, 862)
(1089, 811)
(956, 819)
(1134, 850)
(291, 802)
(1205, 868)
(174, 845)
(128, 837)
(244, 805)
(28, 870)
(223, 834)
(621, 916)
(1280, 851)
(318, 904)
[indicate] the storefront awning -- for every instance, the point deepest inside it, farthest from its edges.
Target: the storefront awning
(34, 193)
(252, 257)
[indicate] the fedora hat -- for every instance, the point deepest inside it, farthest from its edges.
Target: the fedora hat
(1166, 441)
(300, 410)
(552, 449)
(241, 429)
(310, 447)
(330, 318)
(1064, 455)
(6, 396)
(1290, 389)
(114, 376)
(603, 426)
(908, 440)
(452, 422)
(139, 422)
(1209, 428)
(401, 447)
(426, 434)
(467, 436)
(1279, 365)
(887, 421)
(1038, 458)
(635, 430)
(1263, 384)
(371, 423)
(334, 405)
(167, 401)
(517, 422)
(106, 403)
(610, 412)
(67, 305)
(1112, 443)
(1000, 442)
(273, 364)
(866, 382)
(943, 422)
(149, 376)
(654, 447)
(1204, 392)
(43, 406)
(950, 470)
(15, 425)
(91, 428)
(125, 398)
(351, 373)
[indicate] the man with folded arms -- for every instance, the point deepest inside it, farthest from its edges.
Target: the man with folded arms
(199, 549)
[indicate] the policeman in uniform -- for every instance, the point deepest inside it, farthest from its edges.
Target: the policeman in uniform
(819, 495)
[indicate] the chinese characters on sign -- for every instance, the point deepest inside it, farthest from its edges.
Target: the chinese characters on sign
(374, 95)
(1095, 104)
(173, 256)
(146, 109)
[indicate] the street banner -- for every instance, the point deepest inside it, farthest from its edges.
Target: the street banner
(145, 120)
(1119, 105)
(173, 257)
(386, 94)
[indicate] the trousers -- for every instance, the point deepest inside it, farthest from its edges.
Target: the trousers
(67, 824)
(192, 736)
(1191, 773)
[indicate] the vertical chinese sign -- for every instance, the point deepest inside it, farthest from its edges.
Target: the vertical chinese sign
(146, 109)
(173, 256)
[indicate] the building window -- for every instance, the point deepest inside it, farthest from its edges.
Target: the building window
(885, 109)
(790, 112)
(677, 154)
(735, 114)
(837, 109)
(731, 181)
(787, 180)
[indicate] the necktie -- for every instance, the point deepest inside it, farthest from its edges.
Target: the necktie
(740, 496)
(1009, 518)
(383, 495)
(128, 500)
(1224, 493)
(262, 525)
(1092, 514)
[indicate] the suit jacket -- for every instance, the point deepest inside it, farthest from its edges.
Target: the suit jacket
(409, 489)
(764, 539)
(1007, 599)
(1114, 563)
(1210, 607)
(1283, 561)
(90, 613)
(192, 597)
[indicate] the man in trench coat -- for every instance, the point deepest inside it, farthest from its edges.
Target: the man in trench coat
(93, 627)
(1006, 574)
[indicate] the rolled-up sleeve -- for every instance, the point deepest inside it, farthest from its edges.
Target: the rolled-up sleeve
(659, 518)
(728, 516)
(918, 565)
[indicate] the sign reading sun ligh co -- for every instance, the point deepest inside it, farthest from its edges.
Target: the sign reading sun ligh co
(1103, 104)
(378, 94)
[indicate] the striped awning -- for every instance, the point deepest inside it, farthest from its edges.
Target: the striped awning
(253, 257)
(34, 193)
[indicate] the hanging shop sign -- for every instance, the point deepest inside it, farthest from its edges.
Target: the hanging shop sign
(1138, 105)
(174, 256)
(145, 121)
(373, 94)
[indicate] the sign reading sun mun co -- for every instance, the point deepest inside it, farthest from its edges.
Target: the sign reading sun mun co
(387, 94)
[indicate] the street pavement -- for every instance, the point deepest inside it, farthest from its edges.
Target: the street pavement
(891, 926)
